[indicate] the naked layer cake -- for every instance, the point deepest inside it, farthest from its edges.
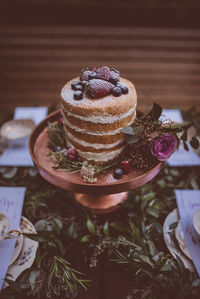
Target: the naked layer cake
(96, 106)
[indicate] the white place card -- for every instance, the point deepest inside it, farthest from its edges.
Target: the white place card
(19, 156)
(180, 157)
(35, 113)
(188, 202)
(11, 204)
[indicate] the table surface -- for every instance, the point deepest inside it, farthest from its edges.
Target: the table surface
(36, 61)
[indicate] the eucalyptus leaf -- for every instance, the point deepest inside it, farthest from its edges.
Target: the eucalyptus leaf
(155, 112)
(186, 148)
(177, 127)
(128, 130)
(132, 140)
(85, 238)
(153, 212)
(146, 259)
(90, 226)
(194, 142)
(106, 228)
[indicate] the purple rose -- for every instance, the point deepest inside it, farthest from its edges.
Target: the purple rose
(163, 146)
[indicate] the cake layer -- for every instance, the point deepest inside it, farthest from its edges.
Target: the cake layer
(100, 119)
(103, 106)
(92, 138)
(98, 158)
(99, 127)
(93, 147)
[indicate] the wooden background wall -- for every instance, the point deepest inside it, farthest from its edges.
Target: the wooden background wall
(36, 61)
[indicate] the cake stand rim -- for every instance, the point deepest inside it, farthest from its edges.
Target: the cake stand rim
(53, 117)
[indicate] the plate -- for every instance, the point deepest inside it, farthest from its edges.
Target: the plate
(17, 249)
(28, 252)
(173, 248)
(196, 222)
(4, 226)
(181, 239)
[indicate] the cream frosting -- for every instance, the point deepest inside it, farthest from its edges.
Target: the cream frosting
(94, 145)
(102, 157)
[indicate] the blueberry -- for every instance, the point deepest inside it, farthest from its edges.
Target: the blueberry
(124, 89)
(57, 148)
(116, 91)
(78, 95)
(119, 84)
(114, 77)
(118, 173)
(78, 87)
(74, 83)
(92, 75)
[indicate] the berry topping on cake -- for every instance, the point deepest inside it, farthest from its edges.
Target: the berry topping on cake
(92, 75)
(118, 173)
(125, 166)
(72, 154)
(98, 82)
(85, 75)
(78, 87)
(114, 77)
(78, 95)
(73, 85)
(99, 88)
(103, 73)
(124, 89)
(116, 91)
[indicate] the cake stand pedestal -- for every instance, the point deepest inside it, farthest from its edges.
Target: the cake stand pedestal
(105, 195)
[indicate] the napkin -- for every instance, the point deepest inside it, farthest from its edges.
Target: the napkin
(11, 204)
(180, 157)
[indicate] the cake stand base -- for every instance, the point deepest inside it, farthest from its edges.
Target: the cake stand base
(101, 204)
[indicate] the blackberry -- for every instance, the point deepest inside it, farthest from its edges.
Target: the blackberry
(124, 89)
(116, 91)
(92, 75)
(74, 83)
(118, 173)
(78, 95)
(78, 87)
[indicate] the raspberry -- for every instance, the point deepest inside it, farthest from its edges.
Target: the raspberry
(103, 73)
(98, 88)
(72, 154)
(125, 166)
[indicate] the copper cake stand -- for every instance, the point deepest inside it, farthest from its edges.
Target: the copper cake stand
(105, 195)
